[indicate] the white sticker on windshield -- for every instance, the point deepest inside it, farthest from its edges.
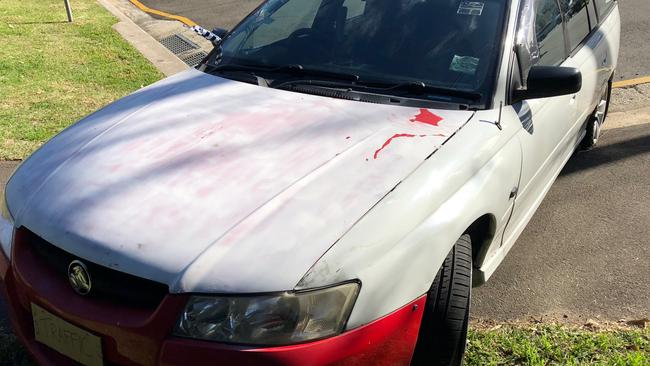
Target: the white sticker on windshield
(464, 64)
(471, 8)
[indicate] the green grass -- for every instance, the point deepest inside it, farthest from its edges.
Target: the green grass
(52, 72)
(557, 345)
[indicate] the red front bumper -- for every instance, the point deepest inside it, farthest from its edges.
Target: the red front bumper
(139, 337)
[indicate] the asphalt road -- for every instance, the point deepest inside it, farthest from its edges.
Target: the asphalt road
(635, 39)
(635, 14)
(585, 253)
(209, 14)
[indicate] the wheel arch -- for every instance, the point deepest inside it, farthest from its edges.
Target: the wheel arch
(482, 232)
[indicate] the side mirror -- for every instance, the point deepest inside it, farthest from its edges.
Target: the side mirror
(220, 32)
(549, 81)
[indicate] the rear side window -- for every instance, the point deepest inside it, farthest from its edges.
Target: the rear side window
(593, 19)
(603, 7)
(577, 19)
(550, 33)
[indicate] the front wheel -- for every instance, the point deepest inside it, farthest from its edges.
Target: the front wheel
(443, 332)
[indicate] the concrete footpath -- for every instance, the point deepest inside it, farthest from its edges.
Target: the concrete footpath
(163, 59)
(168, 44)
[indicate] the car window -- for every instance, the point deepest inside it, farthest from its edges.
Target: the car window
(577, 20)
(603, 7)
(593, 19)
(448, 44)
(286, 19)
(550, 33)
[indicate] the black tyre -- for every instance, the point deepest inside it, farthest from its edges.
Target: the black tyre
(597, 120)
(443, 332)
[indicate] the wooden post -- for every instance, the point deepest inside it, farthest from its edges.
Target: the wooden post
(68, 10)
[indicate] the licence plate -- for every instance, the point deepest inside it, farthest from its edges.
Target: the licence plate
(66, 338)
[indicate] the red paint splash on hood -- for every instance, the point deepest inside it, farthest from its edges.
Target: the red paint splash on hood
(396, 136)
(425, 116)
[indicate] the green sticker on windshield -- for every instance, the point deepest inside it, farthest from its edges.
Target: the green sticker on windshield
(464, 64)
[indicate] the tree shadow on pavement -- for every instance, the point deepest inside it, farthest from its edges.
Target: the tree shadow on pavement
(622, 143)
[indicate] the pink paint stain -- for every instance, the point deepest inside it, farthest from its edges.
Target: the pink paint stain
(396, 136)
(425, 116)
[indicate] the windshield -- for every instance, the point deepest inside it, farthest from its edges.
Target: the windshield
(450, 44)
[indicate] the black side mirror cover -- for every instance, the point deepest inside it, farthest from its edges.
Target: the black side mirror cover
(550, 81)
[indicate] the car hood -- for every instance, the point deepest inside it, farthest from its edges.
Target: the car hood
(211, 185)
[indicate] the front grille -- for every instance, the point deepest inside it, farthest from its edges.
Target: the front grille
(107, 284)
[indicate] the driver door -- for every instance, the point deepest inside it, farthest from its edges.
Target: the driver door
(547, 123)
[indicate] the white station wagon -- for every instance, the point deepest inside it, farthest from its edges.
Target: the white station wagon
(325, 188)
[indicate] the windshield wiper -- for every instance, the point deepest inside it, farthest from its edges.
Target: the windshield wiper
(325, 83)
(420, 88)
(293, 69)
(241, 67)
(300, 70)
(382, 87)
(346, 80)
(248, 69)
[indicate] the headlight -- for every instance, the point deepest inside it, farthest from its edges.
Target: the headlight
(277, 319)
